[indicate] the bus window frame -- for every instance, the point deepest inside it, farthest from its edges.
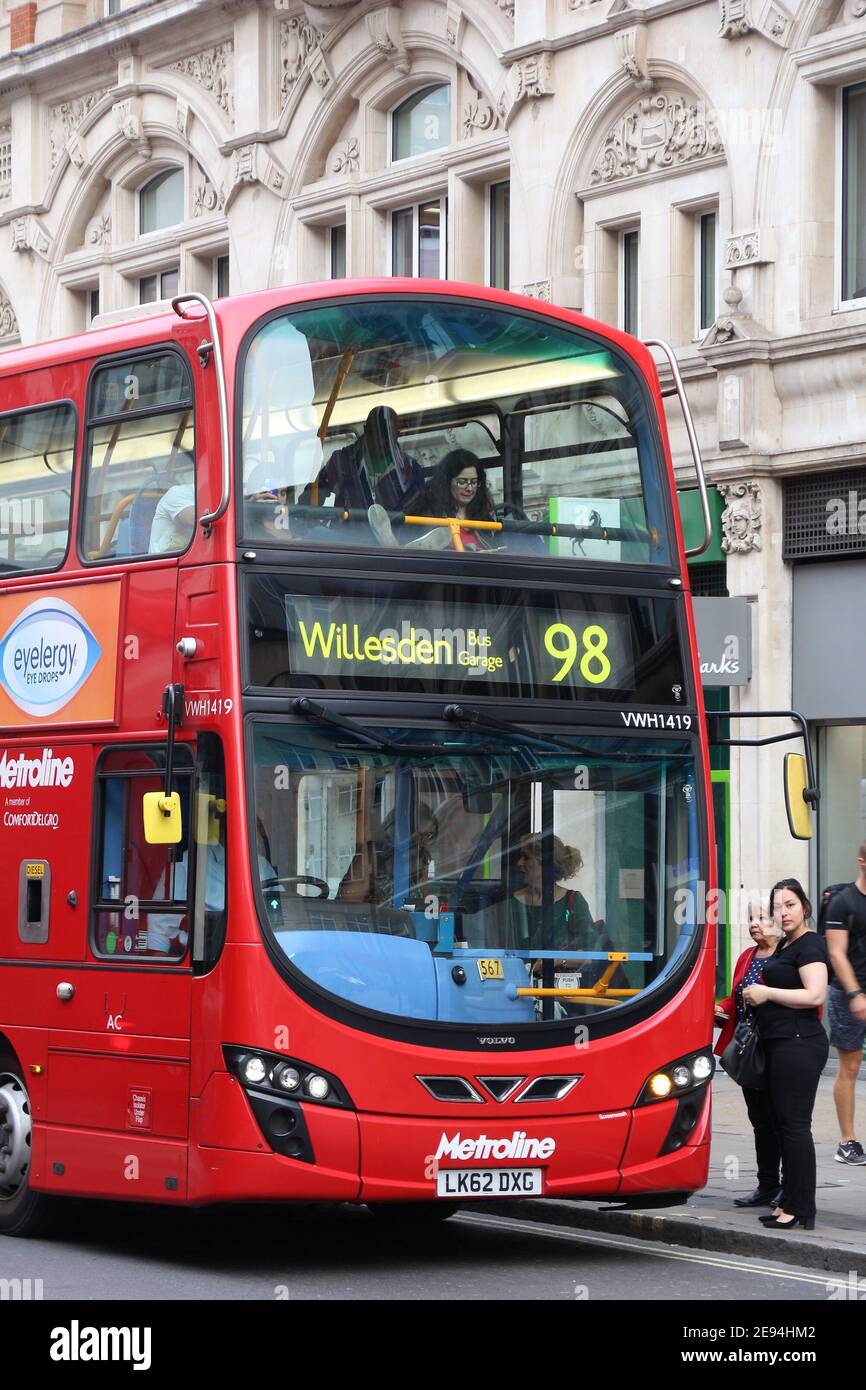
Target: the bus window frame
(666, 483)
(76, 457)
(438, 1034)
(182, 752)
(91, 422)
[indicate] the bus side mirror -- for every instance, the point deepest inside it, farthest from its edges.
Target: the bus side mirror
(162, 818)
(798, 809)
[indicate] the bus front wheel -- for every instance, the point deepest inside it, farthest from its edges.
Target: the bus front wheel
(22, 1211)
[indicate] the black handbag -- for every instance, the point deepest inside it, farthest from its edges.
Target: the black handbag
(743, 1058)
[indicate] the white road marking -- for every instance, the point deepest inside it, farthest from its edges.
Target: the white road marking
(637, 1245)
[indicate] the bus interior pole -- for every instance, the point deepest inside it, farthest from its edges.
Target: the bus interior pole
(548, 896)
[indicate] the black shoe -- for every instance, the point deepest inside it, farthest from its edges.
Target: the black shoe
(757, 1199)
(807, 1222)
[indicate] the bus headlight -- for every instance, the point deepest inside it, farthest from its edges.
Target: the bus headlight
(266, 1073)
(682, 1077)
(660, 1085)
(255, 1071)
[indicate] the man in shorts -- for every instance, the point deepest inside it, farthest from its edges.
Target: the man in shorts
(846, 1001)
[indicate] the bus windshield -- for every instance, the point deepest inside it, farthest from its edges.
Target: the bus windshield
(487, 879)
(434, 425)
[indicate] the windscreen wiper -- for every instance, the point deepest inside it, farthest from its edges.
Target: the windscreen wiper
(318, 714)
(473, 718)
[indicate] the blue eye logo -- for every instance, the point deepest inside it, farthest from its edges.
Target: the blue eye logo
(46, 656)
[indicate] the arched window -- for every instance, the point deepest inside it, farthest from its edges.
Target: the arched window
(422, 123)
(160, 202)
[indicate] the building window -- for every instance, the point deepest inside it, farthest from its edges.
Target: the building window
(500, 235)
(222, 277)
(92, 305)
(419, 240)
(422, 123)
(337, 241)
(112, 7)
(854, 192)
(164, 285)
(707, 269)
(629, 278)
(160, 202)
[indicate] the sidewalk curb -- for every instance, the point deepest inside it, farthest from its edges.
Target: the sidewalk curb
(694, 1233)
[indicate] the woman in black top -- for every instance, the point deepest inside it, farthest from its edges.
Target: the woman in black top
(787, 1016)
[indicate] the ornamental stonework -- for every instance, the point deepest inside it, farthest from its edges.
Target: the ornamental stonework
(346, 157)
(65, 118)
(742, 519)
(478, 115)
(8, 320)
(298, 39)
(212, 70)
(657, 133)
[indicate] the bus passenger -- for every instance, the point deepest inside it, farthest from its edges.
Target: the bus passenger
(261, 485)
(372, 470)
(573, 926)
(174, 518)
(458, 488)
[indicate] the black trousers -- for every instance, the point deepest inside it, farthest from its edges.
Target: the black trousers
(794, 1066)
(768, 1149)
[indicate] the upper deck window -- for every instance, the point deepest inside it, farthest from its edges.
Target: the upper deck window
(434, 425)
(36, 453)
(140, 478)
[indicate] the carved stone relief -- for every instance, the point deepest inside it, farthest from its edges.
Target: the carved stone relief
(8, 321)
(478, 114)
(28, 234)
(127, 116)
(252, 164)
(741, 519)
(65, 118)
(385, 30)
(212, 70)
(749, 248)
(534, 76)
(298, 39)
(658, 132)
(346, 157)
(539, 289)
(767, 17)
(631, 45)
(205, 199)
(98, 231)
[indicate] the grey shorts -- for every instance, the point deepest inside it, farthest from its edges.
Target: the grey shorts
(846, 1031)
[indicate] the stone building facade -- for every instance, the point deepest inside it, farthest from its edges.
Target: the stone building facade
(691, 169)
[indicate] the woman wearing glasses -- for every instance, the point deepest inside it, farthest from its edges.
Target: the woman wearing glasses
(459, 488)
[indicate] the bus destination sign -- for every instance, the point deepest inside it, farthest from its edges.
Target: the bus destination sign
(343, 636)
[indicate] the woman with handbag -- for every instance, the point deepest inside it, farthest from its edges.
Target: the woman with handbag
(787, 1013)
(749, 970)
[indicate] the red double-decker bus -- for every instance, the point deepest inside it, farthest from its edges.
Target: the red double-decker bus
(355, 795)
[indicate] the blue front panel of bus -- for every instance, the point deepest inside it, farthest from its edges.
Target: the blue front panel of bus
(399, 975)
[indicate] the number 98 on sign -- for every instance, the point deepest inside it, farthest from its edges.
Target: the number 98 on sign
(587, 647)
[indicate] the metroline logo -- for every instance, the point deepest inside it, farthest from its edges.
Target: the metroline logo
(46, 656)
(518, 1146)
(46, 771)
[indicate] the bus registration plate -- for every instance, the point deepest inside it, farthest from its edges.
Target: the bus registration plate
(488, 1182)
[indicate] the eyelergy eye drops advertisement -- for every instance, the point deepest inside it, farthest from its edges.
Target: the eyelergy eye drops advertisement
(345, 636)
(58, 655)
